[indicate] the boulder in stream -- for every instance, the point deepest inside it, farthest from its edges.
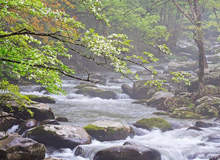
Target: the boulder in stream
(60, 136)
(143, 91)
(41, 99)
(13, 147)
(105, 130)
(127, 152)
(40, 111)
(204, 124)
(96, 92)
(127, 90)
(151, 123)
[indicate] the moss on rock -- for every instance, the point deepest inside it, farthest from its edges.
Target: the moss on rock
(108, 130)
(150, 123)
(185, 115)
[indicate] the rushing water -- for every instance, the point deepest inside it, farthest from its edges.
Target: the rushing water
(178, 144)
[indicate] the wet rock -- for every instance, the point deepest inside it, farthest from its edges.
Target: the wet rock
(143, 91)
(158, 99)
(183, 66)
(30, 123)
(207, 106)
(49, 121)
(215, 158)
(40, 111)
(60, 136)
(7, 122)
(127, 90)
(62, 119)
(16, 148)
(127, 152)
(195, 128)
(205, 109)
(204, 125)
(96, 92)
(212, 138)
(106, 130)
(185, 115)
(170, 104)
(150, 123)
(41, 99)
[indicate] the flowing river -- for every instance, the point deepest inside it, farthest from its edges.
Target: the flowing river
(178, 144)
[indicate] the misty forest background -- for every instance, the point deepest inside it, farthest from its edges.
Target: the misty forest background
(162, 54)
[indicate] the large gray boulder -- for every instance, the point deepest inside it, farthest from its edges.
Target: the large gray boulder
(106, 130)
(157, 100)
(13, 147)
(127, 152)
(40, 111)
(60, 136)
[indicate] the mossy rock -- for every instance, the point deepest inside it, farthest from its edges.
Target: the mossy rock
(96, 92)
(60, 136)
(177, 102)
(205, 109)
(41, 99)
(185, 115)
(150, 123)
(106, 130)
(161, 113)
(211, 90)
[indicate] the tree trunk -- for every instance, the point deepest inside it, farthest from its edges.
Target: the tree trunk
(200, 45)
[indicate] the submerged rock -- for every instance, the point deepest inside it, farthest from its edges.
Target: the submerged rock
(150, 123)
(127, 152)
(13, 147)
(212, 138)
(106, 130)
(60, 136)
(204, 125)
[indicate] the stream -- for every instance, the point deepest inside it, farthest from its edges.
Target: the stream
(178, 144)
